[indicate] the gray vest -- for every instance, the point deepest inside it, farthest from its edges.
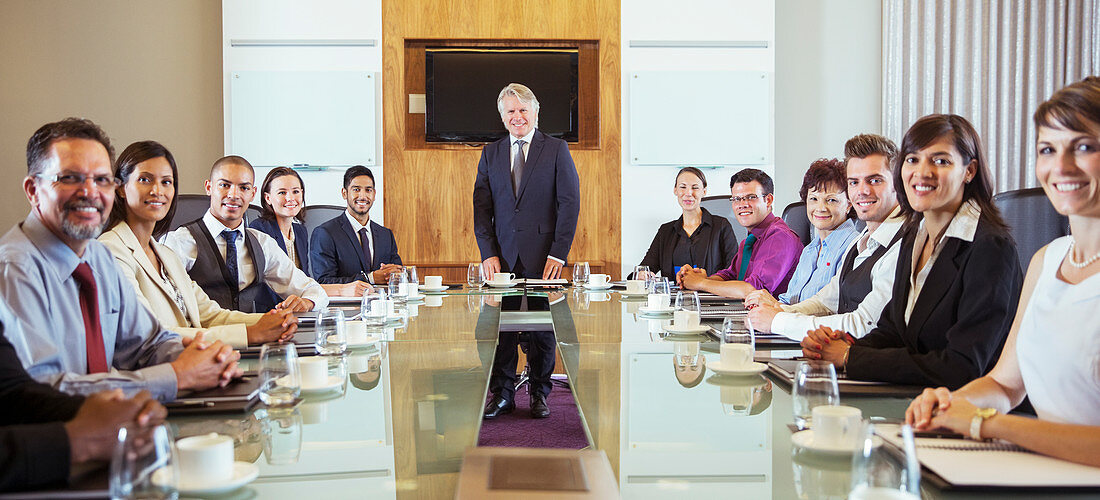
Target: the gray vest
(210, 273)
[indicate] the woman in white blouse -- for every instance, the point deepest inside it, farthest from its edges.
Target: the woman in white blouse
(1052, 354)
(143, 208)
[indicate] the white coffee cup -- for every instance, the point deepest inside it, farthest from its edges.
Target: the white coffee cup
(658, 301)
(836, 426)
(414, 290)
(635, 287)
(685, 319)
(599, 279)
(205, 459)
(355, 332)
(433, 281)
(314, 371)
(503, 277)
(736, 355)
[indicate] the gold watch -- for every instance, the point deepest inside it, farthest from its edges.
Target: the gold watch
(980, 416)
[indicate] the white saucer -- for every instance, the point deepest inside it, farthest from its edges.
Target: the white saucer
(369, 341)
(805, 440)
(433, 289)
(624, 293)
(499, 284)
(334, 382)
(752, 369)
(416, 298)
(598, 287)
(243, 473)
(656, 312)
(686, 331)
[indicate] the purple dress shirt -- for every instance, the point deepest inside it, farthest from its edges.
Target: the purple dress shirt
(774, 257)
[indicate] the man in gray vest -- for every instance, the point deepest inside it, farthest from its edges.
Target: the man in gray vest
(853, 300)
(233, 264)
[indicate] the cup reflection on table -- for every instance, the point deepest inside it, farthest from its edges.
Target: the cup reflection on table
(820, 477)
(282, 435)
(144, 464)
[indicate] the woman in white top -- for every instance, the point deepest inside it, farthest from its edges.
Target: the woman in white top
(1053, 351)
(143, 208)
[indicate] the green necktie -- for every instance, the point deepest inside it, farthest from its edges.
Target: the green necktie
(745, 255)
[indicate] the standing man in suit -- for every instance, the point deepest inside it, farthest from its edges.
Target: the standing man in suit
(526, 203)
(350, 245)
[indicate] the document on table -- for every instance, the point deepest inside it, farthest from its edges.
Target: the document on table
(964, 463)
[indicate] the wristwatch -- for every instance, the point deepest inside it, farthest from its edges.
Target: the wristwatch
(980, 416)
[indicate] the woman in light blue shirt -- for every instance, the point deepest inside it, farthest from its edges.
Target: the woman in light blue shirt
(829, 211)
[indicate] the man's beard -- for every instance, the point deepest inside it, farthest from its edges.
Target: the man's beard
(81, 231)
(355, 211)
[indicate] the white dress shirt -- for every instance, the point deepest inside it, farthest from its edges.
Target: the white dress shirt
(820, 310)
(279, 272)
(962, 226)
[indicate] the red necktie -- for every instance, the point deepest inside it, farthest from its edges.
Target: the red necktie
(89, 308)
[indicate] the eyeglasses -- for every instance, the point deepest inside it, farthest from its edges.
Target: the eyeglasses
(751, 198)
(103, 182)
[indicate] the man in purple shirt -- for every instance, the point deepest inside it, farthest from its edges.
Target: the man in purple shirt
(771, 249)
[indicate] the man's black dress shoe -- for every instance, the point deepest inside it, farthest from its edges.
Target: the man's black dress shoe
(498, 406)
(538, 407)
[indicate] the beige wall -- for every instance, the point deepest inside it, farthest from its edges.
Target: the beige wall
(147, 69)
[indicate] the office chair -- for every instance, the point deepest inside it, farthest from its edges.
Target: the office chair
(795, 217)
(720, 205)
(190, 207)
(1032, 219)
(315, 215)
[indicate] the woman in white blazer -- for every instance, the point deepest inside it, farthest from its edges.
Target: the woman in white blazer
(143, 208)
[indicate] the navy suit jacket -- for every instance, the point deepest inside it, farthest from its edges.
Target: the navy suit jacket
(301, 238)
(541, 222)
(336, 256)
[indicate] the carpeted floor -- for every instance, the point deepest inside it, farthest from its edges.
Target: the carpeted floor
(562, 430)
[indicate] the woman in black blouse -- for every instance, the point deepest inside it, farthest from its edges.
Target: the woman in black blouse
(697, 237)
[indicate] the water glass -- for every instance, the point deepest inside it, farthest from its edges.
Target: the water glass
(280, 381)
(580, 273)
(410, 271)
(144, 464)
(687, 301)
(814, 385)
(399, 287)
(885, 472)
(738, 343)
(372, 310)
(474, 276)
(642, 273)
(282, 436)
(331, 336)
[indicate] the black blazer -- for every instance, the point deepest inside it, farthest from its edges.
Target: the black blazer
(959, 322)
(337, 257)
(34, 447)
(301, 238)
(714, 246)
(542, 220)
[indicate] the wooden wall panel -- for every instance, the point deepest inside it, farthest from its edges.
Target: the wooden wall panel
(429, 192)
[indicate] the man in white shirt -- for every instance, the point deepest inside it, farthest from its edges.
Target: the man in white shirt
(233, 264)
(853, 300)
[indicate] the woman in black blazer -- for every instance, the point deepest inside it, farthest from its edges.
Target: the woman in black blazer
(697, 237)
(958, 278)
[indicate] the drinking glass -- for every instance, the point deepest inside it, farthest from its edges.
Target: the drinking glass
(738, 342)
(814, 385)
(282, 436)
(143, 464)
(580, 273)
(474, 276)
(399, 287)
(687, 353)
(280, 381)
(660, 292)
(642, 273)
(885, 472)
(411, 272)
(687, 301)
(331, 336)
(372, 310)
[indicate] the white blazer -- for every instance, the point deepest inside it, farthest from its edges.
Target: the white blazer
(202, 312)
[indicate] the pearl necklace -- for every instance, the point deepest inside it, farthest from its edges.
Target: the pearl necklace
(1080, 265)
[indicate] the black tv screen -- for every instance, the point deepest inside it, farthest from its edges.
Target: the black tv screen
(463, 84)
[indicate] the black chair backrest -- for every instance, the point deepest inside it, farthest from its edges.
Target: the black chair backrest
(1033, 220)
(795, 217)
(190, 207)
(720, 205)
(315, 215)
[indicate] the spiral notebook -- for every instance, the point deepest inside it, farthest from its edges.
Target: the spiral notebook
(995, 465)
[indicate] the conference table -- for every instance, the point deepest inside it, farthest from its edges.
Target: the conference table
(411, 405)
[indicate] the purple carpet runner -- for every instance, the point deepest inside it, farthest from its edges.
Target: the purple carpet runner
(562, 430)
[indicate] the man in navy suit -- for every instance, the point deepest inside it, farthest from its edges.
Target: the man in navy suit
(350, 246)
(526, 203)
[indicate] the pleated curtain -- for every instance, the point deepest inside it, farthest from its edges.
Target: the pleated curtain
(990, 61)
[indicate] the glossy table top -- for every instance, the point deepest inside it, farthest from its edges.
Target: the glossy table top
(412, 404)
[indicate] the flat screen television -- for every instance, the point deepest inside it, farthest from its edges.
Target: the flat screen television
(463, 84)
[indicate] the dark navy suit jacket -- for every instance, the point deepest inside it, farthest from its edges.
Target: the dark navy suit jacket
(336, 256)
(541, 222)
(301, 238)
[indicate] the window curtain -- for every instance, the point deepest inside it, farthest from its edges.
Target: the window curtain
(992, 62)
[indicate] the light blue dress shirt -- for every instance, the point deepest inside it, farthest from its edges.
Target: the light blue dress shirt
(818, 263)
(36, 282)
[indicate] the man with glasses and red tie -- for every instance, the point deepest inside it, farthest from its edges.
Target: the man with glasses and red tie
(83, 329)
(767, 257)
